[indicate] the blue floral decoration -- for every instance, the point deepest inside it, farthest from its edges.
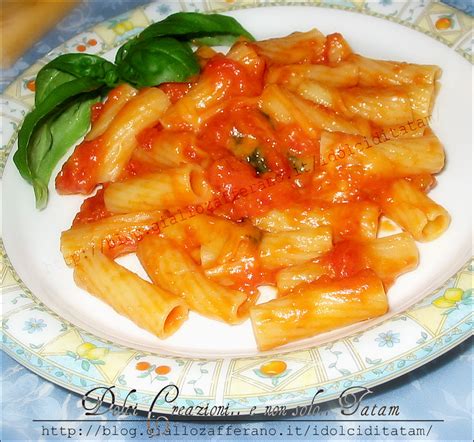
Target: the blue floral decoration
(34, 325)
(388, 339)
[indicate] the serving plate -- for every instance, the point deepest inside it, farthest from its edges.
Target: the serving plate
(73, 339)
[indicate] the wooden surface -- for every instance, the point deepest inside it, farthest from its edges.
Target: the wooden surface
(24, 22)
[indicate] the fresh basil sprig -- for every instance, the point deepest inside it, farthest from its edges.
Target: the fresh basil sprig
(188, 26)
(57, 98)
(67, 86)
(47, 80)
(156, 61)
(54, 138)
(86, 65)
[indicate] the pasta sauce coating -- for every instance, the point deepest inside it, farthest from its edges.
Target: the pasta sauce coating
(272, 167)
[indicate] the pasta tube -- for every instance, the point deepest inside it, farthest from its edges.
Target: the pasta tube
(299, 47)
(113, 236)
(285, 107)
(317, 308)
(393, 73)
(172, 269)
(357, 220)
(119, 139)
(148, 306)
(391, 158)
(289, 248)
(116, 100)
(381, 106)
(414, 211)
(389, 257)
(342, 75)
(170, 149)
(171, 188)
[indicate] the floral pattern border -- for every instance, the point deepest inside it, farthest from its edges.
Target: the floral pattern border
(77, 360)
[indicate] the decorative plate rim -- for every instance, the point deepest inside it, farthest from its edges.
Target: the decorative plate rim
(305, 371)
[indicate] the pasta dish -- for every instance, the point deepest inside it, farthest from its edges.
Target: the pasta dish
(272, 165)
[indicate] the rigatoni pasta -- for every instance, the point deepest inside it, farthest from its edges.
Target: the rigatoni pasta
(112, 150)
(149, 306)
(357, 220)
(174, 187)
(171, 269)
(383, 73)
(289, 248)
(272, 166)
(116, 100)
(114, 236)
(318, 307)
(414, 211)
(389, 257)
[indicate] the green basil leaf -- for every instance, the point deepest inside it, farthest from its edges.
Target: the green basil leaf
(53, 140)
(40, 143)
(47, 80)
(86, 65)
(124, 50)
(217, 40)
(257, 161)
(191, 25)
(62, 94)
(155, 61)
(187, 26)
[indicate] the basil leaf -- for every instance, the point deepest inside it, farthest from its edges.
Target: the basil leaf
(191, 25)
(124, 50)
(217, 40)
(40, 143)
(257, 161)
(152, 62)
(86, 65)
(187, 26)
(47, 80)
(62, 94)
(53, 140)
(69, 67)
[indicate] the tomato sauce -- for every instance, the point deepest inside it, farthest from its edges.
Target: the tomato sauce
(229, 139)
(176, 91)
(147, 136)
(297, 141)
(135, 168)
(92, 209)
(96, 111)
(236, 121)
(79, 173)
(233, 77)
(345, 259)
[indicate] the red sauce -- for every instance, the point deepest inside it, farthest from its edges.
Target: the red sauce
(232, 124)
(241, 190)
(250, 276)
(297, 141)
(96, 111)
(176, 91)
(233, 77)
(345, 259)
(79, 173)
(92, 209)
(135, 168)
(147, 136)
(244, 193)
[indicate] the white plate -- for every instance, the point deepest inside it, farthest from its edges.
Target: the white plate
(31, 238)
